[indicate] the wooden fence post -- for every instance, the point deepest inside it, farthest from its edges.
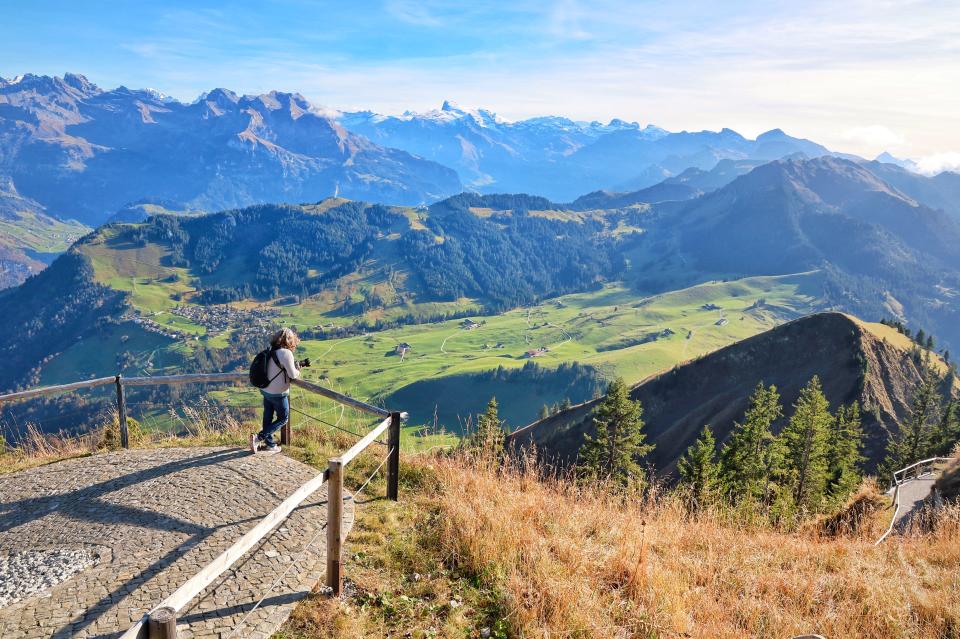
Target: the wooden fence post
(393, 461)
(334, 524)
(162, 624)
(122, 413)
(285, 429)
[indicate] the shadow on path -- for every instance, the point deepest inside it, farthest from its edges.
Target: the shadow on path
(85, 503)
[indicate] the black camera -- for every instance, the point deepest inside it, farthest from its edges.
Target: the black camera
(303, 363)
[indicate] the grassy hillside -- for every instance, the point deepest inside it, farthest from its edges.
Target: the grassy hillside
(41, 235)
(612, 330)
(29, 240)
(867, 363)
(412, 279)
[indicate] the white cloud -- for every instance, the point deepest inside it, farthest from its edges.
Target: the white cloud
(875, 136)
(939, 162)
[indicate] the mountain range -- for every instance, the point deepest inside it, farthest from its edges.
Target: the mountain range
(706, 204)
(82, 152)
(77, 151)
(560, 158)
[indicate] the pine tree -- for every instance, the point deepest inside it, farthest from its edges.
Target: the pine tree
(699, 471)
(489, 438)
(565, 404)
(805, 443)
(618, 446)
(745, 459)
(947, 433)
(914, 440)
(844, 453)
(544, 412)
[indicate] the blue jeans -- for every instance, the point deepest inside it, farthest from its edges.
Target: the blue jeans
(278, 405)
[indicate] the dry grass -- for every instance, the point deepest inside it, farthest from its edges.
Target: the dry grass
(529, 557)
(860, 516)
(949, 482)
(579, 563)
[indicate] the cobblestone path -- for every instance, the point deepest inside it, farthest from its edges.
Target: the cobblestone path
(155, 518)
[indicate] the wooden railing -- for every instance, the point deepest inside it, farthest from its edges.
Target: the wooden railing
(161, 621)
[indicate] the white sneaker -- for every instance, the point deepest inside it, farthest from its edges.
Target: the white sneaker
(272, 449)
(253, 443)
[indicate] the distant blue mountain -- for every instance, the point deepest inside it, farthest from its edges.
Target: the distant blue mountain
(81, 152)
(561, 158)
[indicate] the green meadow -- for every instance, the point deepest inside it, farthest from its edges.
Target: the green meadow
(43, 236)
(614, 330)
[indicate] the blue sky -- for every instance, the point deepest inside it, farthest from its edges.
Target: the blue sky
(858, 76)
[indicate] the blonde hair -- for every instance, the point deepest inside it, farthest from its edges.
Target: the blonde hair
(285, 338)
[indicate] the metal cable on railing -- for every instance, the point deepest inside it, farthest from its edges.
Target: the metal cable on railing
(306, 547)
(326, 423)
(277, 581)
(370, 478)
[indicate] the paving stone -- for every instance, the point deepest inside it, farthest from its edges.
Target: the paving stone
(154, 518)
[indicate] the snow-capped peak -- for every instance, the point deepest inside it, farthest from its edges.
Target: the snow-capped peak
(160, 96)
(451, 111)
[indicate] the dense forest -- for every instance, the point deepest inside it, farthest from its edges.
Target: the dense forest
(503, 261)
(511, 260)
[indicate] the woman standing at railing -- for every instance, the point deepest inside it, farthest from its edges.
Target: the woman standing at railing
(280, 367)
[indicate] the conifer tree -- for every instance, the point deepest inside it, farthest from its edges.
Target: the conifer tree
(947, 433)
(544, 412)
(844, 453)
(914, 440)
(698, 469)
(745, 459)
(805, 443)
(489, 437)
(618, 446)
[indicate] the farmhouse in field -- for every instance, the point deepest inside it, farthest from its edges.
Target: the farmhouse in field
(403, 348)
(537, 352)
(469, 325)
